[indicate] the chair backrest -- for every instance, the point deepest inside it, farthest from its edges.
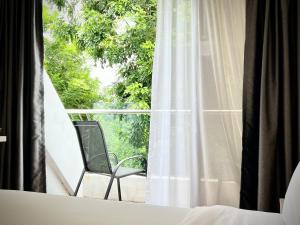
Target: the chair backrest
(93, 146)
(291, 207)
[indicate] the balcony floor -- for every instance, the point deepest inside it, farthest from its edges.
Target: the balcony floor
(132, 187)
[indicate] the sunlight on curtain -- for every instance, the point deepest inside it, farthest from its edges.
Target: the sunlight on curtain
(195, 134)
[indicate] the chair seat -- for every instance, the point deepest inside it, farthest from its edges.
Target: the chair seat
(124, 171)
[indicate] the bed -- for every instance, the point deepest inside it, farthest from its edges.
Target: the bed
(25, 208)
(222, 215)
(22, 208)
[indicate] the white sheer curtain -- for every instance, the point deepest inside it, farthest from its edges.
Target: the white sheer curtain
(195, 136)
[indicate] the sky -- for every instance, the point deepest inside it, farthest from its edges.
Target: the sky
(106, 75)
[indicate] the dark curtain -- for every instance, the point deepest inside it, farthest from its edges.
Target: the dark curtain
(271, 101)
(22, 157)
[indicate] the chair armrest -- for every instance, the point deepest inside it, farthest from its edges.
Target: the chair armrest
(124, 160)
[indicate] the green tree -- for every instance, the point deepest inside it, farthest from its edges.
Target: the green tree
(122, 32)
(111, 32)
(125, 36)
(66, 65)
(116, 32)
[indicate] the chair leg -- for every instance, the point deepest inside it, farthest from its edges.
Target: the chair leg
(119, 189)
(79, 183)
(109, 187)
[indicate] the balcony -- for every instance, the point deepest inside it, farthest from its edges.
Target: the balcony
(126, 134)
(64, 161)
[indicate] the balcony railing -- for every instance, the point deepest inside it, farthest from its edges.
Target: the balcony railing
(127, 133)
(127, 130)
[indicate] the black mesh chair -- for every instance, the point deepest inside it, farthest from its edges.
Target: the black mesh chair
(96, 158)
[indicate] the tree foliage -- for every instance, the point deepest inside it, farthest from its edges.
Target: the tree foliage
(66, 65)
(117, 33)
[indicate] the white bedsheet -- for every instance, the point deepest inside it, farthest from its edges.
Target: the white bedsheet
(223, 215)
(24, 208)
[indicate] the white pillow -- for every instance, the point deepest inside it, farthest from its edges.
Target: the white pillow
(291, 207)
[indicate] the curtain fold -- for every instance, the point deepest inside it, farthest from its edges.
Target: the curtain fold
(195, 133)
(271, 102)
(22, 157)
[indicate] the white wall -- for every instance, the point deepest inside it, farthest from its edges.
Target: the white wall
(54, 184)
(64, 162)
